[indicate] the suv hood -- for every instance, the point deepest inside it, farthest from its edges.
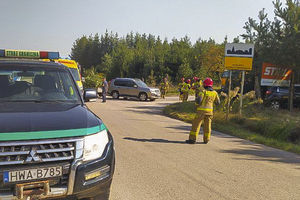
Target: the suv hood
(32, 117)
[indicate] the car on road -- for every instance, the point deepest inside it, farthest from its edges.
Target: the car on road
(132, 87)
(51, 144)
(277, 97)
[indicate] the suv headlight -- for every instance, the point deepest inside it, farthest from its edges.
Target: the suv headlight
(94, 145)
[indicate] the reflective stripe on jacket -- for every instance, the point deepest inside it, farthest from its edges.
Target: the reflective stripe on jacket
(207, 100)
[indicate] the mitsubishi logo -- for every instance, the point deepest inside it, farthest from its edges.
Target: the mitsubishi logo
(33, 156)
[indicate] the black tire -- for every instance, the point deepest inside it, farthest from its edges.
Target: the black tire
(152, 99)
(143, 96)
(115, 94)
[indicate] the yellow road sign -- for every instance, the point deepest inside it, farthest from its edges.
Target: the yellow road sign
(238, 63)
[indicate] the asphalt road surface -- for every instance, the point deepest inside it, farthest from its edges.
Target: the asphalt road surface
(153, 161)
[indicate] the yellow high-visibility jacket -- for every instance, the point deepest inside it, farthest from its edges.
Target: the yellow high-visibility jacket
(164, 86)
(197, 86)
(205, 101)
(185, 87)
(180, 87)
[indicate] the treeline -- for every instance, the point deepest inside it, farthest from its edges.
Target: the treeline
(148, 57)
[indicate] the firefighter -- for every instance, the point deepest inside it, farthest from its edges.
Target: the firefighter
(185, 90)
(204, 104)
(180, 87)
(197, 86)
(164, 86)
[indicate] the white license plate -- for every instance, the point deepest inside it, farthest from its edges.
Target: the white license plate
(32, 174)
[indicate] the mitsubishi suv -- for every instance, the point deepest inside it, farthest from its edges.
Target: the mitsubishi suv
(51, 144)
(130, 87)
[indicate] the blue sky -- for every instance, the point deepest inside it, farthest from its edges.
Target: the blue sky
(55, 24)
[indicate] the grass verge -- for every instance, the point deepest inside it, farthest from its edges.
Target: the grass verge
(274, 129)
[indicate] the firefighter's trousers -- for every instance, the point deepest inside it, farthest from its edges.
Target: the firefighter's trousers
(185, 96)
(201, 117)
(163, 93)
(196, 93)
(180, 96)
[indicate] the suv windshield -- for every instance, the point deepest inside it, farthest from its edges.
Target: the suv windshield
(141, 83)
(38, 84)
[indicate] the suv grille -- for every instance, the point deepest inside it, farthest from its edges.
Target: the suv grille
(36, 151)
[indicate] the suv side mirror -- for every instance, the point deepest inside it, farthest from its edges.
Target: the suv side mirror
(135, 86)
(89, 94)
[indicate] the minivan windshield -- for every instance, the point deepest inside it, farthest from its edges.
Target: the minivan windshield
(37, 84)
(141, 83)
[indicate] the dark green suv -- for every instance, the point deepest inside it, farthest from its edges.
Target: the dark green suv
(51, 144)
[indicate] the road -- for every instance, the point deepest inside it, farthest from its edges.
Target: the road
(154, 163)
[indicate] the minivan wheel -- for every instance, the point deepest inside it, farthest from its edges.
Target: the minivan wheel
(143, 96)
(275, 105)
(115, 94)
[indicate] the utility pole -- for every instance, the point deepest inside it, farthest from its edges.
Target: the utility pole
(242, 92)
(228, 96)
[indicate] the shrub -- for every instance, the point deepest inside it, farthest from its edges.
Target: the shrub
(295, 135)
(238, 119)
(92, 78)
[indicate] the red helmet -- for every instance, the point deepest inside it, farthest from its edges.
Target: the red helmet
(182, 79)
(208, 82)
(188, 81)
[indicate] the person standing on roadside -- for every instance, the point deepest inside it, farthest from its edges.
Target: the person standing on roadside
(104, 89)
(205, 105)
(185, 90)
(164, 87)
(197, 86)
(180, 85)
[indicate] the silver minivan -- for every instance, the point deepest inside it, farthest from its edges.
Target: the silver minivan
(132, 87)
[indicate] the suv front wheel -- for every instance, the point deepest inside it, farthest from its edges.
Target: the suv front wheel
(143, 96)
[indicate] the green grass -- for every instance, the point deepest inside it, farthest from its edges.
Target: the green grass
(278, 129)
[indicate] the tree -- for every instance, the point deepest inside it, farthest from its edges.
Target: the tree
(185, 70)
(146, 56)
(106, 65)
(286, 33)
(259, 34)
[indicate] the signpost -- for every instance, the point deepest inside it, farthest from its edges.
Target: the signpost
(238, 57)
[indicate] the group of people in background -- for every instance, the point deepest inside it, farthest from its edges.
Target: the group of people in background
(184, 88)
(186, 85)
